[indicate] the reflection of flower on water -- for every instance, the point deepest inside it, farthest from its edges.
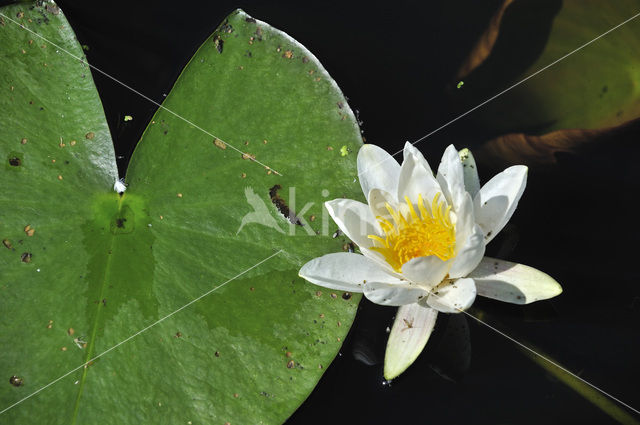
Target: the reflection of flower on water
(423, 239)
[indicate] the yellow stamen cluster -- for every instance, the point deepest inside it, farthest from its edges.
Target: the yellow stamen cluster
(430, 233)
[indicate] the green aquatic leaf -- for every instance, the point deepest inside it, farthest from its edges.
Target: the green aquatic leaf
(82, 269)
(595, 87)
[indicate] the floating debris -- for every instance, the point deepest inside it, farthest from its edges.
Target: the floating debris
(16, 381)
(219, 143)
(120, 186)
(80, 343)
(218, 43)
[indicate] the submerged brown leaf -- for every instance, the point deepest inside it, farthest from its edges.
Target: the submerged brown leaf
(520, 148)
(485, 43)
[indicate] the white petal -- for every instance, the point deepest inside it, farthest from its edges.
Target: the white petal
(344, 271)
(377, 170)
(470, 171)
(454, 297)
(378, 199)
(428, 271)
(469, 256)
(412, 151)
(393, 293)
(416, 178)
(512, 282)
(497, 200)
(409, 335)
(354, 219)
(451, 177)
(464, 219)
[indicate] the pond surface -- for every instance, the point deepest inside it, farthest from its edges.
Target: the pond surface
(577, 220)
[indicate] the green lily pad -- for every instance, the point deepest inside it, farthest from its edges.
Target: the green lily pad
(83, 269)
(595, 87)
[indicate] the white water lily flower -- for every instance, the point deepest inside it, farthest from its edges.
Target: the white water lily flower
(423, 238)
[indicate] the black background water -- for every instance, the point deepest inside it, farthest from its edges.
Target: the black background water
(577, 220)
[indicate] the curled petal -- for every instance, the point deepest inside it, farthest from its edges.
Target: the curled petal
(345, 271)
(409, 335)
(469, 256)
(377, 170)
(465, 221)
(497, 200)
(454, 297)
(512, 282)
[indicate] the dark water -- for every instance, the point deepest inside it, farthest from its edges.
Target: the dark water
(577, 220)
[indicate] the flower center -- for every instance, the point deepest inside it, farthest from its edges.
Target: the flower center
(430, 233)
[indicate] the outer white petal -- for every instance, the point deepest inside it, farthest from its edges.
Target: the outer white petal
(354, 219)
(469, 256)
(344, 271)
(497, 200)
(409, 335)
(377, 199)
(384, 293)
(427, 271)
(377, 169)
(512, 282)
(454, 297)
(470, 171)
(416, 178)
(451, 176)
